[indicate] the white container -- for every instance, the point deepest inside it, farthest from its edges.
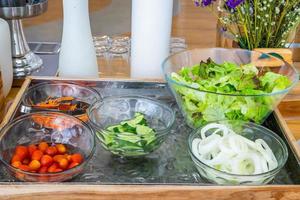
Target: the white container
(151, 32)
(77, 57)
(6, 68)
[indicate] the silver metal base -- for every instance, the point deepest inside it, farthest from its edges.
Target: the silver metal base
(27, 64)
(24, 60)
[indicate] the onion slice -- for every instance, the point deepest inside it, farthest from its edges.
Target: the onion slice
(221, 148)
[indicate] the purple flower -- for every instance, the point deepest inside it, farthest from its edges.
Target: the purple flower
(203, 2)
(206, 2)
(234, 3)
(197, 3)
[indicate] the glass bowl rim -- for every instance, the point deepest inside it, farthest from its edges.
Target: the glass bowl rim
(8, 126)
(266, 131)
(40, 85)
(170, 80)
(100, 103)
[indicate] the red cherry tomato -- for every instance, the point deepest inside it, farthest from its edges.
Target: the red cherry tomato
(77, 158)
(37, 155)
(43, 169)
(31, 149)
(46, 160)
(72, 165)
(43, 146)
(51, 151)
(34, 165)
(22, 151)
(52, 168)
(24, 168)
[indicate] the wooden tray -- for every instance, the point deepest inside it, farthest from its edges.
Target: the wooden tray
(286, 185)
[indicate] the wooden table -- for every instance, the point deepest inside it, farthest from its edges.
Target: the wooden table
(290, 110)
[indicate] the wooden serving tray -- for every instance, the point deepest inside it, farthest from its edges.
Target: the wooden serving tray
(164, 180)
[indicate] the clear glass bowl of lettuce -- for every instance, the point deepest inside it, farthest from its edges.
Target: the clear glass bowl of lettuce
(131, 126)
(218, 84)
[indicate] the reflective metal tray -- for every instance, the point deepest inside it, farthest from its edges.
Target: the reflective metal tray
(170, 164)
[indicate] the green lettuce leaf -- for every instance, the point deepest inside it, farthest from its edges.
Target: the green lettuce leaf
(201, 104)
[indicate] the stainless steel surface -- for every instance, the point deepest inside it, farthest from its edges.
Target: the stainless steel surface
(24, 60)
(19, 43)
(171, 163)
(44, 48)
(32, 9)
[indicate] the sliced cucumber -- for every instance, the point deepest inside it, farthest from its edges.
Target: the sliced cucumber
(143, 130)
(139, 118)
(130, 137)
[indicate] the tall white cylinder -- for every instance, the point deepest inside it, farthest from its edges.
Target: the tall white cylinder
(5, 57)
(151, 33)
(77, 56)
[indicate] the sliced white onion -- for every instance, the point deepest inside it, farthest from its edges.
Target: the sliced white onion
(219, 127)
(225, 150)
(209, 144)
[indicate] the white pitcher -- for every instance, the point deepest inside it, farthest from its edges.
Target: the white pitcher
(151, 32)
(6, 69)
(77, 56)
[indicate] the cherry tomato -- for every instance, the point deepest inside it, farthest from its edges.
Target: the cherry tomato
(51, 151)
(52, 168)
(36, 155)
(43, 169)
(24, 168)
(26, 161)
(73, 164)
(31, 149)
(16, 158)
(57, 158)
(46, 160)
(34, 165)
(69, 157)
(58, 170)
(63, 163)
(61, 148)
(77, 158)
(43, 146)
(22, 151)
(16, 164)
(43, 158)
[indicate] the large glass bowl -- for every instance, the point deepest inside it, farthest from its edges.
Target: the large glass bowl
(252, 132)
(113, 110)
(53, 128)
(200, 107)
(42, 92)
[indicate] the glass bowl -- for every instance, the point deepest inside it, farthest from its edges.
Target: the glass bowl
(52, 128)
(42, 92)
(114, 110)
(252, 132)
(200, 107)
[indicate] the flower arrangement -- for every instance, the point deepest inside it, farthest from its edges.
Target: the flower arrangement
(256, 23)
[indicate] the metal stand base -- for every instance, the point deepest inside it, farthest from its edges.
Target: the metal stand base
(27, 64)
(24, 60)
